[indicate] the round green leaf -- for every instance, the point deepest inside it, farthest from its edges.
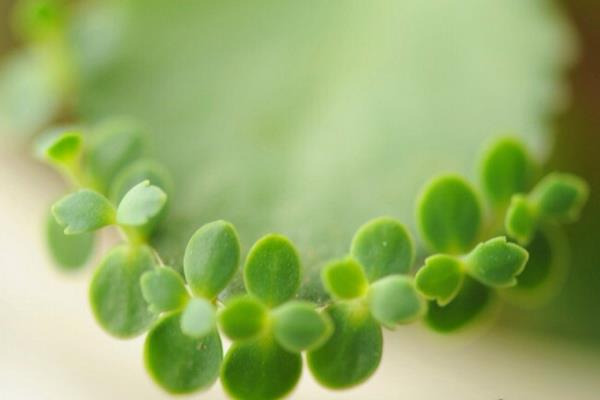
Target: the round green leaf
(506, 169)
(68, 251)
(199, 318)
(440, 278)
(115, 143)
(211, 258)
(449, 215)
(116, 294)
(298, 326)
(272, 270)
(496, 263)
(384, 247)
(180, 363)
(469, 304)
(140, 204)
(83, 211)
(394, 300)
(164, 289)
(521, 219)
(138, 171)
(344, 279)
(560, 197)
(243, 317)
(260, 369)
(352, 353)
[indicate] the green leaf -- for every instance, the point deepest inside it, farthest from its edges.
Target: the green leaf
(39, 19)
(164, 289)
(440, 278)
(70, 252)
(560, 197)
(321, 147)
(298, 326)
(60, 147)
(260, 369)
(211, 258)
(468, 305)
(83, 211)
(496, 263)
(344, 279)
(394, 300)
(449, 215)
(506, 169)
(352, 353)
(199, 318)
(384, 247)
(140, 204)
(116, 294)
(243, 317)
(115, 143)
(272, 270)
(521, 219)
(138, 171)
(180, 363)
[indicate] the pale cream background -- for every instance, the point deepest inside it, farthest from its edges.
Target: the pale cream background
(51, 348)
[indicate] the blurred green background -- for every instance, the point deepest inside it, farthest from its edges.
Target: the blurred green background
(309, 118)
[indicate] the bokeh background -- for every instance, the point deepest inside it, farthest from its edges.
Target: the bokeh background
(306, 118)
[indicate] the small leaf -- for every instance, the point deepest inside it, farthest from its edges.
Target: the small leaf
(140, 204)
(83, 211)
(344, 279)
(440, 278)
(449, 215)
(60, 147)
(260, 369)
(114, 144)
(298, 326)
(138, 171)
(164, 289)
(506, 169)
(521, 219)
(68, 251)
(384, 247)
(496, 262)
(352, 353)
(560, 197)
(211, 258)
(180, 363)
(468, 305)
(243, 317)
(115, 291)
(394, 300)
(198, 318)
(272, 270)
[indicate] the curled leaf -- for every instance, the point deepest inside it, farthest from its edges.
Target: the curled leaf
(394, 300)
(164, 289)
(272, 270)
(180, 363)
(352, 353)
(116, 294)
(60, 147)
(344, 279)
(260, 369)
(440, 278)
(449, 215)
(383, 246)
(140, 204)
(83, 211)
(298, 326)
(243, 317)
(198, 318)
(211, 258)
(496, 263)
